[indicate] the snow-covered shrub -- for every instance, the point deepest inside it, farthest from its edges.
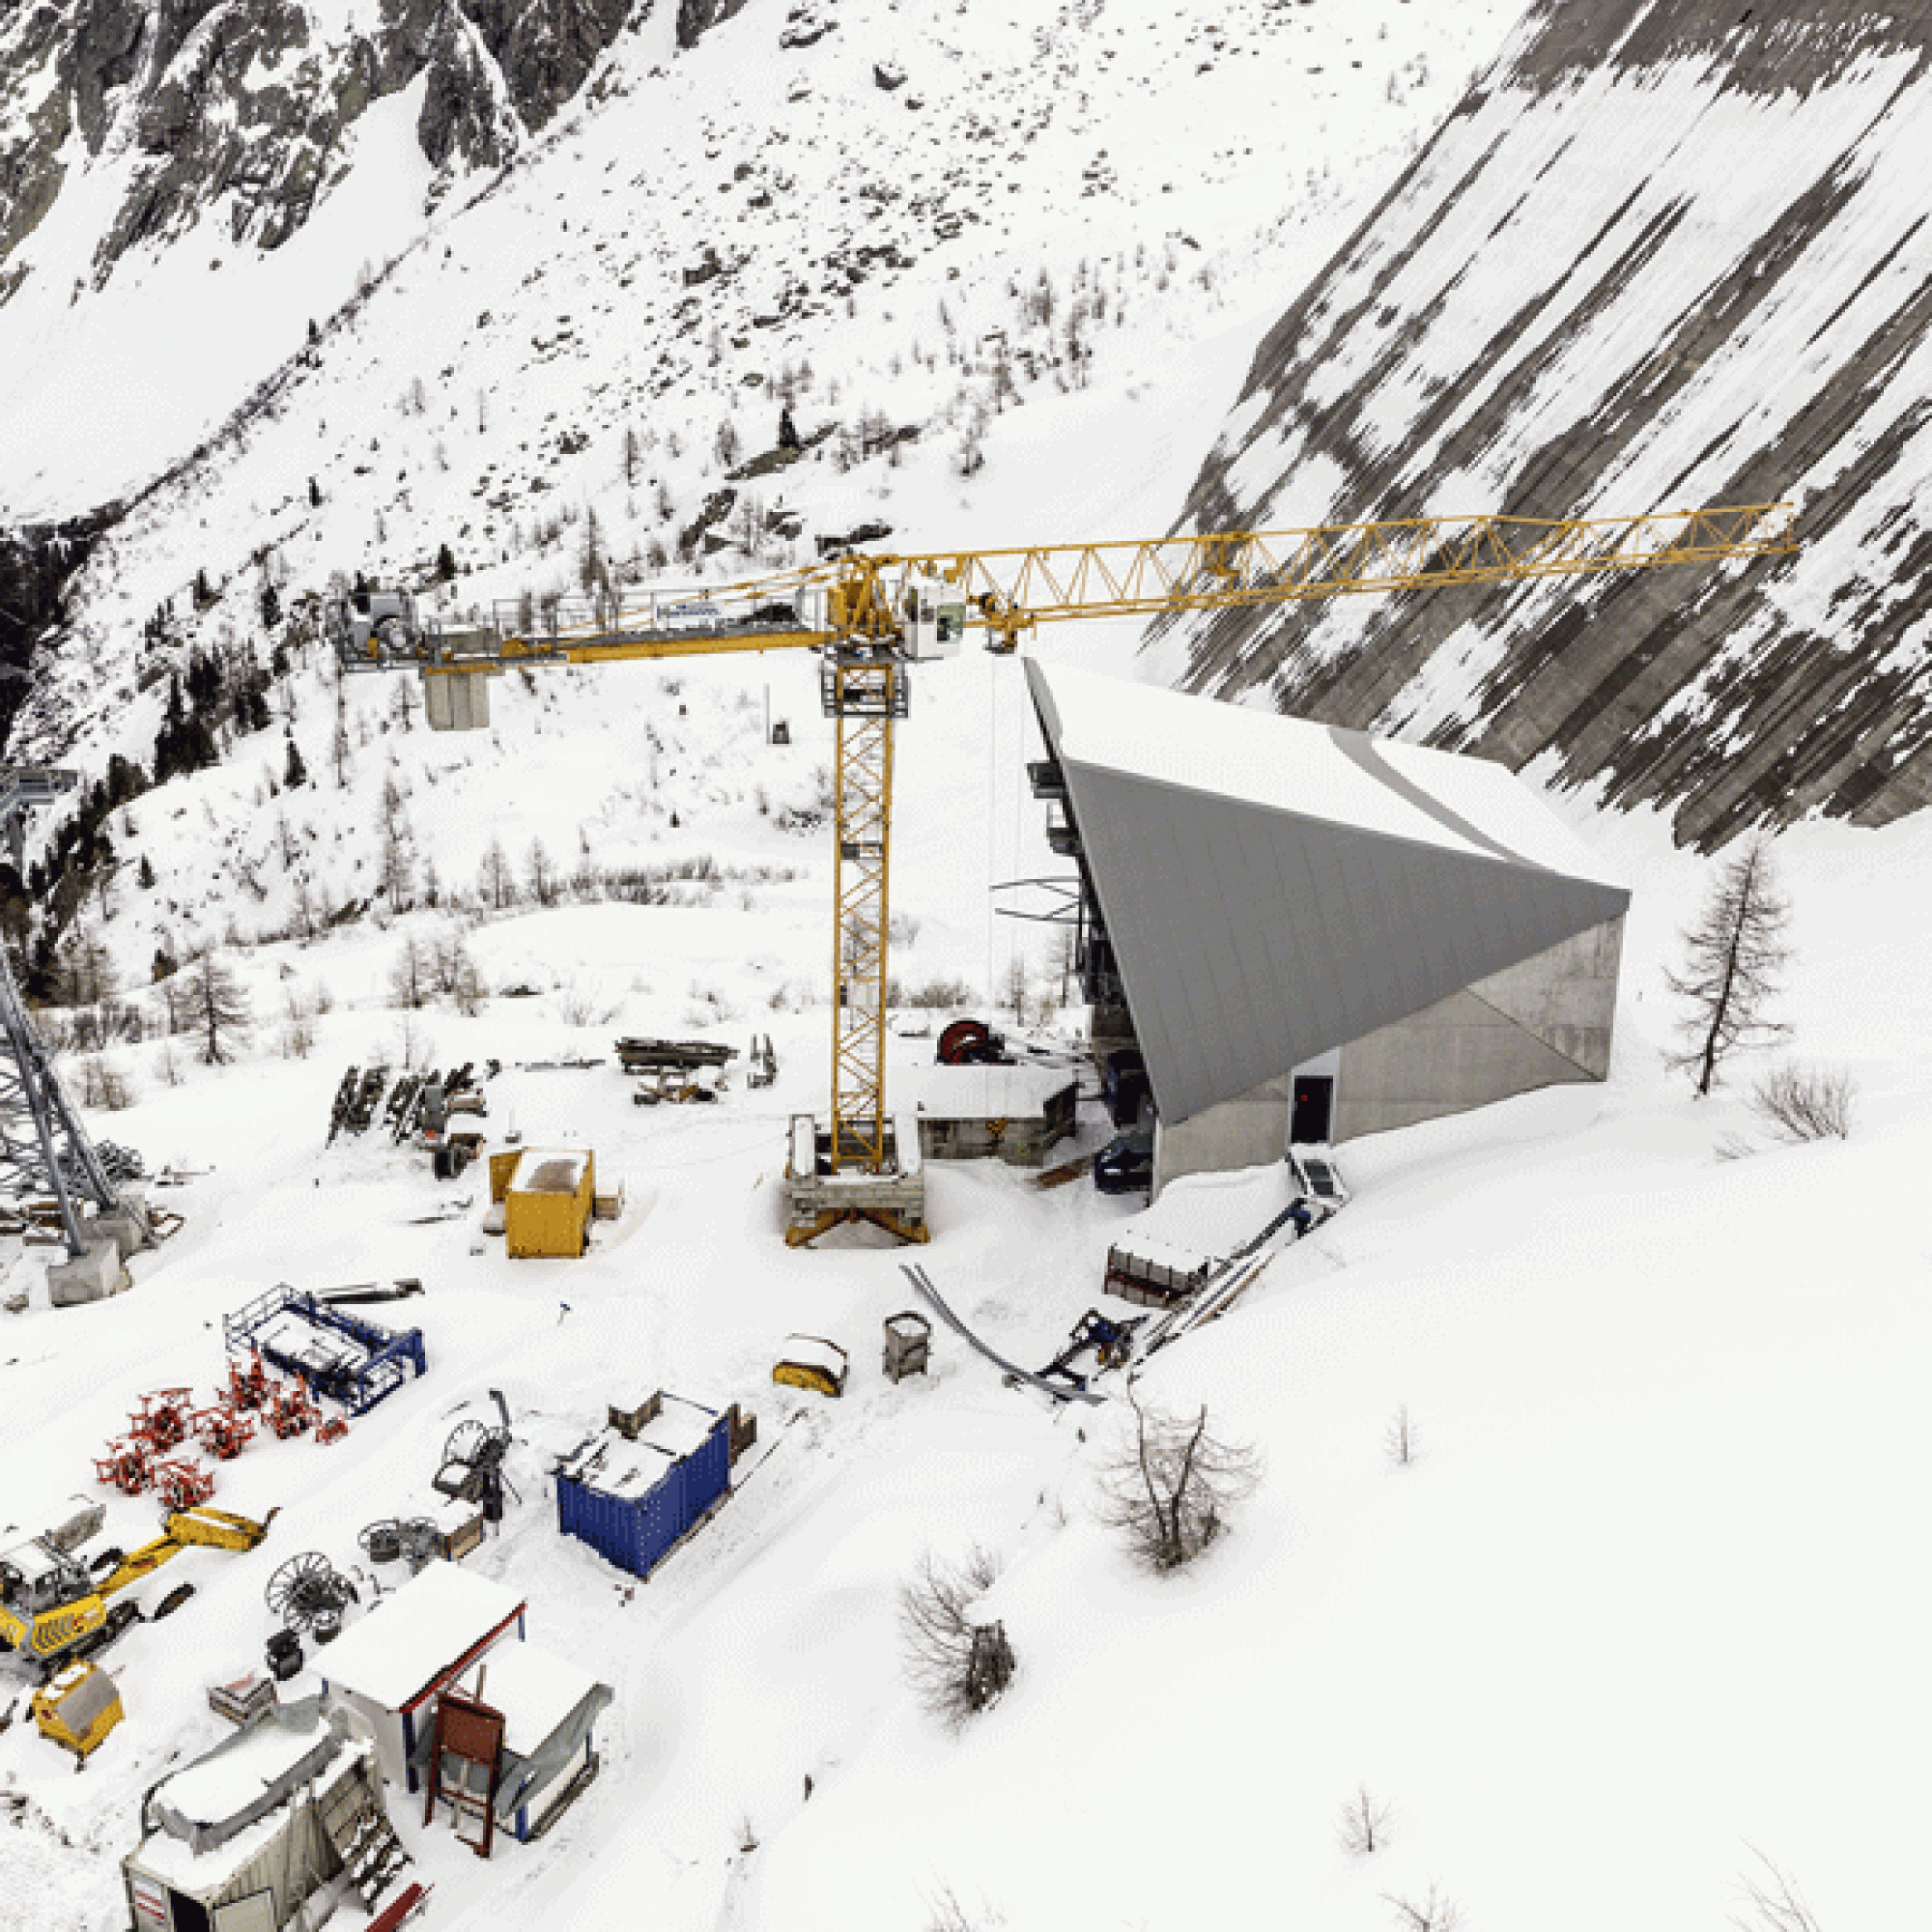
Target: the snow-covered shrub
(1168, 1483)
(1805, 1103)
(957, 1665)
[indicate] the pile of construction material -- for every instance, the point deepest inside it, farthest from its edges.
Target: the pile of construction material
(684, 1070)
(420, 1108)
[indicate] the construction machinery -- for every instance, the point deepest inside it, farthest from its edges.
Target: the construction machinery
(54, 1608)
(1111, 1343)
(871, 618)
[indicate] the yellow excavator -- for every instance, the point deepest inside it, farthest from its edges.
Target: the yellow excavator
(871, 618)
(54, 1607)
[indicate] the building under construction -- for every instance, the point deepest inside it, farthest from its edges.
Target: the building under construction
(1312, 934)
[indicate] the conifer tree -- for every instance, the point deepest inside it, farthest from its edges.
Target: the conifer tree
(1735, 952)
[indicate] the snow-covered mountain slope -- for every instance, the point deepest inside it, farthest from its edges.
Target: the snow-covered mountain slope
(184, 184)
(996, 308)
(1665, 253)
(798, 189)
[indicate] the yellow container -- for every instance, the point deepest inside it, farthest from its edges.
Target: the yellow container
(77, 1708)
(547, 1203)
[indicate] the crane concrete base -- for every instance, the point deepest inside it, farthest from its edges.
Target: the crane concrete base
(818, 1199)
(93, 1277)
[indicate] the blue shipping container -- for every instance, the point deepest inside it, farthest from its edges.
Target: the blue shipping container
(632, 1499)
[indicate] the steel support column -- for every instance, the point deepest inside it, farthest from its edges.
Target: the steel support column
(43, 1148)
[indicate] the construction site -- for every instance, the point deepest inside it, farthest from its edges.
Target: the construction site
(1283, 938)
(871, 890)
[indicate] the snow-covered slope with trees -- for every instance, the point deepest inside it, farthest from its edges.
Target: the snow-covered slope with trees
(1664, 253)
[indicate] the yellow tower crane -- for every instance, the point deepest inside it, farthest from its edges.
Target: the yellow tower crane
(871, 618)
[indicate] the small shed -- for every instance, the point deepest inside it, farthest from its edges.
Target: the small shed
(550, 1708)
(238, 1840)
(634, 1497)
(385, 1671)
(548, 1198)
(1006, 1113)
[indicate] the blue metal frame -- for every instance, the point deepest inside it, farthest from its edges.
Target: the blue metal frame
(387, 1354)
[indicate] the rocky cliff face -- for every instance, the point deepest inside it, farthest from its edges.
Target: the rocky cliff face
(36, 564)
(245, 105)
(1664, 252)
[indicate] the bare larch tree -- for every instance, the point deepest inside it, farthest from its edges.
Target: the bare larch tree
(216, 1007)
(1736, 953)
(1170, 1481)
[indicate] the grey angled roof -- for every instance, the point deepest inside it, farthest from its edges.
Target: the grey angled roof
(1274, 888)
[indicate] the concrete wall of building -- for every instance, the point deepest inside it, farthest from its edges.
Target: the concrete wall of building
(1247, 1132)
(1542, 1023)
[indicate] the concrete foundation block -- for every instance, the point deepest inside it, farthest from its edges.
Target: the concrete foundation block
(96, 1275)
(123, 1230)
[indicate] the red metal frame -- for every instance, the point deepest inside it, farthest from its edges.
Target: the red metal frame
(126, 1466)
(181, 1484)
(289, 1408)
(251, 1387)
(400, 1910)
(223, 1430)
(161, 1418)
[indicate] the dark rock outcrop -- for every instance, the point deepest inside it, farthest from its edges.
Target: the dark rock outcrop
(1663, 254)
(36, 564)
(697, 18)
(242, 103)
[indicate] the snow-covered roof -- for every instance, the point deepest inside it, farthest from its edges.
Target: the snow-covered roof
(984, 1093)
(535, 1691)
(613, 1465)
(559, 1172)
(218, 1787)
(411, 1639)
(1459, 803)
(1274, 889)
(681, 1426)
(1200, 1217)
(175, 1860)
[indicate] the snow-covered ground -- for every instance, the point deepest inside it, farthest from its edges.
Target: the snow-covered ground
(1648, 1597)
